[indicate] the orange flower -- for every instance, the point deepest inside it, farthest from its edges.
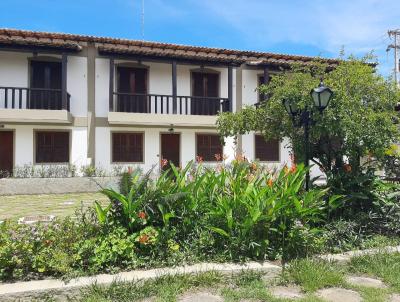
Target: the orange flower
(142, 215)
(253, 166)
(286, 169)
(293, 169)
(143, 239)
(199, 159)
(164, 162)
(270, 182)
(218, 157)
(347, 168)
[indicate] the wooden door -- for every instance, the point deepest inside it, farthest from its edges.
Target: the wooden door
(6, 153)
(132, 89)
(170, 149)
(45, 83)
(205, 93)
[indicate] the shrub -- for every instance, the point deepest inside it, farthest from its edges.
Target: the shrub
(242, 210)
(32, 251)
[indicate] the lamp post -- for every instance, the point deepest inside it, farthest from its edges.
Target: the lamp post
(321, 96)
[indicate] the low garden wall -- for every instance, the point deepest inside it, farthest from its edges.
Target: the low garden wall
(26, 186)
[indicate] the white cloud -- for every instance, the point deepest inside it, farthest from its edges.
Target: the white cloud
(358, 25)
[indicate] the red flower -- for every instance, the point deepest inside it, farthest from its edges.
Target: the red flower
(293, 169)
(347, 168)
(164, 162)
(142, 215)
(143, 239)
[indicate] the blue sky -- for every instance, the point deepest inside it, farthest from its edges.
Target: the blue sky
(308, 27)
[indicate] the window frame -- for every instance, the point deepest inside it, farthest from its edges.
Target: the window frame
(197, 146)
(35, 146)
(142, 133)
(266, 161)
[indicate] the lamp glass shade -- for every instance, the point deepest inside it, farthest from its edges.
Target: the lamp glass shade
(321, 96)
(291, 107)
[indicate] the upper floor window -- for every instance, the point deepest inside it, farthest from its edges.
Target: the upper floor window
(45, 84)
(267, 151)
(261, 96)
(132, 89)
(209, 147)
(52, 147)
(127, 147)
(205, 92)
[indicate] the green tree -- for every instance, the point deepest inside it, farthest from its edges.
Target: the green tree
(359, 121)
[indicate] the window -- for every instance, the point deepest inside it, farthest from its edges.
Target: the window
(127, 147)
(266, 150)
(261, 96)
(52, 147)
(208, 145)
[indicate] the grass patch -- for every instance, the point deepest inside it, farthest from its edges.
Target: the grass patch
(384, 265)
(61, 205)
(312, 275)
(165, 288)
(373, 294)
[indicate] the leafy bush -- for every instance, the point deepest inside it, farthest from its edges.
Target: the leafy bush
(239, 210)
(30, 251)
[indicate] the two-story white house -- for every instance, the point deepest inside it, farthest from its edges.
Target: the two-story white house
(84, 100)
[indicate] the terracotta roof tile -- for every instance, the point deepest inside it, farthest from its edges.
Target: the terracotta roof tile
(125, 46)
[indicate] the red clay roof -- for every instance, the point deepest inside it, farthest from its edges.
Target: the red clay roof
(14, 37)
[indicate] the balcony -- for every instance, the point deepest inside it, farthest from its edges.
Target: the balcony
(34, 105)
(164, 110)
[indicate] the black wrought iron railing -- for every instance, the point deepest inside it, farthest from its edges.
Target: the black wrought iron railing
(33, 98)
(168, 104)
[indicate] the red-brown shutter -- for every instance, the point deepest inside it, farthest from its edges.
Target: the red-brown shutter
(266, 150)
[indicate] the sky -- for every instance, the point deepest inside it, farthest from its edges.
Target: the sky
(308, 27)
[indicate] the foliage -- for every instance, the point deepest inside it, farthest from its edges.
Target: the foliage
(358, 121)
(391, 163)
(229, 212)
(29, 251)
(239, 209)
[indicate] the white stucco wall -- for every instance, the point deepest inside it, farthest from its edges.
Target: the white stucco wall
(77, 85)
(160, 81)
(24, 143)
(250, 97)
(14, 72)
(152, 147)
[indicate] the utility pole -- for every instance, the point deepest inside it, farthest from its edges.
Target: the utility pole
(395, 34)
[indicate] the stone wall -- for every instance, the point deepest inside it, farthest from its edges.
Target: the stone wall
(27, 186)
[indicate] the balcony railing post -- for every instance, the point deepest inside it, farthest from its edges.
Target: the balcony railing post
(265, 82)
(230, 87)
(111, 95)
(64, 96)
(174, 88)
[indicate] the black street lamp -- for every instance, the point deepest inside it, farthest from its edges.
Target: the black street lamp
(321, 97)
